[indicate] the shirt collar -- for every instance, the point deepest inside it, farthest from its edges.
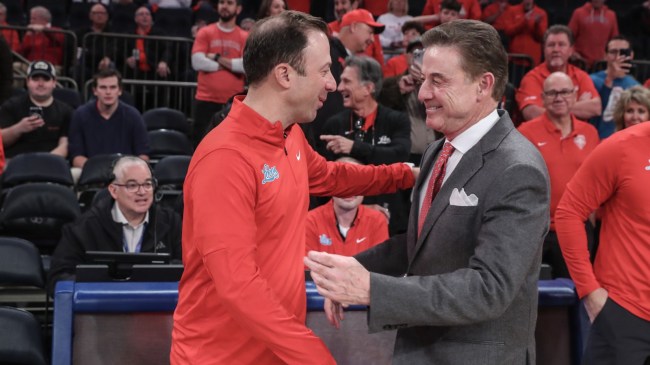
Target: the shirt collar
(118, 216)
(470, 137)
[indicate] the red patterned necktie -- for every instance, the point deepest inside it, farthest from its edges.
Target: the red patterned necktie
(435, 182)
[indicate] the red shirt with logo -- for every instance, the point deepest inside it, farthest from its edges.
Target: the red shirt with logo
(242, 296)
(368, 229)
(532, 85)
(615, 179)
(563, 155)
(219, 86)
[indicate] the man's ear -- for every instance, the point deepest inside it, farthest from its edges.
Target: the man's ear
(112, 189)
(486, 85)
(283, 73)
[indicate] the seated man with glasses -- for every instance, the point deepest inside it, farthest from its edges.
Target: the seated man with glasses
(368, 131)
(612, 81)
(127, 221)
(564, 142)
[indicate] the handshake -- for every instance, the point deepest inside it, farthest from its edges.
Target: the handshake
(341, 280)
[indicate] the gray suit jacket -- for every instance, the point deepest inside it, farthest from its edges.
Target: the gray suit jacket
(465, 290)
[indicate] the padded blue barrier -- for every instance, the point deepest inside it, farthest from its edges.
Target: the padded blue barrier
(116, 298)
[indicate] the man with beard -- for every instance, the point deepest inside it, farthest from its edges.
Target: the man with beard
(242, 297)
(217, 56)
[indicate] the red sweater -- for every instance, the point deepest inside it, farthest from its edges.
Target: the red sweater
(242, 295)
(592, 29)
(615, 178)
(369, 228)
(524, 32)
(563, 156)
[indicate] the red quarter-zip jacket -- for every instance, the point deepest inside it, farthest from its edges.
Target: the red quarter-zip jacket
(242, 295)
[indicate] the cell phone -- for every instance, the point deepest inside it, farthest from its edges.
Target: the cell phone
(627, 52)
(36, 110)
(418, 55)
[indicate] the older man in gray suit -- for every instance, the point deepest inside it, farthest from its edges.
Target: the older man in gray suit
(461, 285)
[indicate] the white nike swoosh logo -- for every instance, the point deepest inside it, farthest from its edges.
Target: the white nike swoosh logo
(298, 156)
(541, 144)
(359, 240)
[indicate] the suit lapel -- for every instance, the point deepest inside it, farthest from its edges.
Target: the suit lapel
(468, 166)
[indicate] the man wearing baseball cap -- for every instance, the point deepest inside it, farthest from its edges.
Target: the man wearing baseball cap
(357, 31)
(35, 121)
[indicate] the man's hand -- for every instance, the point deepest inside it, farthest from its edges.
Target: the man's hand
(337, 144)
(406, 84)
(333, 312)
(594, 303)
(29, 123)
(340, 278)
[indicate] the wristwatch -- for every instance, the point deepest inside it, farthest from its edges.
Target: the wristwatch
(217, 56)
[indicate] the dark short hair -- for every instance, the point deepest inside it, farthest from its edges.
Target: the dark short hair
(450, 5)
(479, 46)
(369, 71)
(558, 29)
(413, 25)
(279, 39)
(619, 37)
(104, 74)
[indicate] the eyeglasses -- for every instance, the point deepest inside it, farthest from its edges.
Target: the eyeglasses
(133, 186)
(98, 13)
(552, 94)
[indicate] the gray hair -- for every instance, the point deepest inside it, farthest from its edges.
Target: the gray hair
(42, 11)
(369, 71)
(120, 166)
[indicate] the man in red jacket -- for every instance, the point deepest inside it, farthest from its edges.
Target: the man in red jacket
(242, 296)
(615, 290)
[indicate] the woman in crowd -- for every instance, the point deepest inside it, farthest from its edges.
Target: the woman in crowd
(271, 7)
(632, 108)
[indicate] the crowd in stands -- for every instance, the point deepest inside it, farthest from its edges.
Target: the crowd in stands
(583, 76)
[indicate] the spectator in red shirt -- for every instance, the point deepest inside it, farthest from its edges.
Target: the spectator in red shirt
(344, 226)
(10, 35)
(342, 7)
(525, 25)
(558, 47)
(615, 289)
(593, 25)
(399, 64)
(38, 42)
(470, 9)
(564, 142)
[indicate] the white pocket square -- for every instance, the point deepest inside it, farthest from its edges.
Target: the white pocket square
(461, 199)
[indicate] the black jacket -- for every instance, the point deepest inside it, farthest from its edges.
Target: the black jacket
(390, 126)
(388, 141)
(95, 230)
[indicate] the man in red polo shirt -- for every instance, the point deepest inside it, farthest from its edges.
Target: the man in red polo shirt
(558, 47)
(344, 226)
(564, 142)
